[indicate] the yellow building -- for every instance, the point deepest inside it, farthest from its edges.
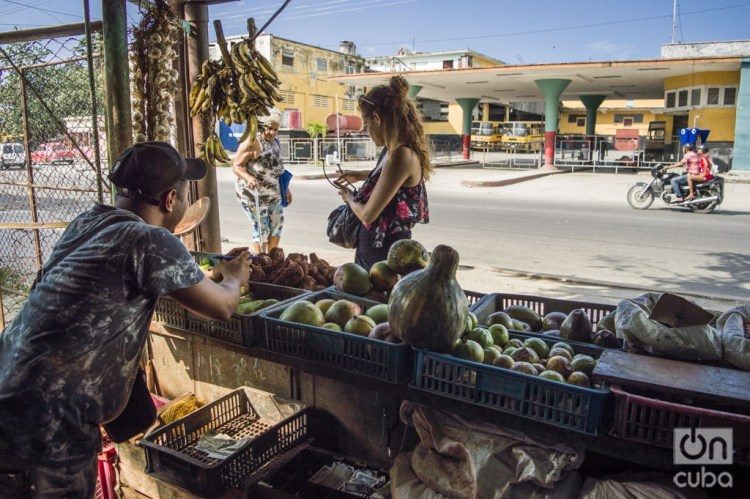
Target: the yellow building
(304, 71)
(612, 115)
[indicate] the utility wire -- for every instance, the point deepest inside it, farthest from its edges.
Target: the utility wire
(48, 11)
(566, 28)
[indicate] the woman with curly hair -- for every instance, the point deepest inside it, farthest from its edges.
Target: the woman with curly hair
(393, 198)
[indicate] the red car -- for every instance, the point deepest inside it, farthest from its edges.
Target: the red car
(54, 153)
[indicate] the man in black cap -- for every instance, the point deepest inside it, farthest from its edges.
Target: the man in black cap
(69, 359)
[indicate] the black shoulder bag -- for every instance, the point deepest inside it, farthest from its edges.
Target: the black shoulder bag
(343, 224)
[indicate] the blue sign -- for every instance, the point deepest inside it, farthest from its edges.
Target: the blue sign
(230, 135)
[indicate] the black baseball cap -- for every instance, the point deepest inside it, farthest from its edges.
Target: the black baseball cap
(148, 169)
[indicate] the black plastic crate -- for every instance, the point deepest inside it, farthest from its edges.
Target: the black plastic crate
(497, 302)
(241, 329)
(348, 352)
(559, 404)
(273, 424)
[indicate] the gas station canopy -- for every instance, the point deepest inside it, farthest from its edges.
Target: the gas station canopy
(639, 79)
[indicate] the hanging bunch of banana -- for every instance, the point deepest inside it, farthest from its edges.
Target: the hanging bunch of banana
(238, 89)
(213, 152)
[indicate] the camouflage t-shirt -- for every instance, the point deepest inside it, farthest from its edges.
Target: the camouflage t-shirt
(69, 358)
(266, 172)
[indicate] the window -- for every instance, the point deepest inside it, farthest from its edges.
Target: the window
(632, 118)
(695, 97)
(287, 97)
(320, 101)
(350, 70)
(627, 121)
(637, 118)
(682, 98)
(581, 121)
(730, 96)
(287, 58)
(322, 64)
(713, 96)
(573, 118)
(448, 64)
(350, 105)
(670, 100)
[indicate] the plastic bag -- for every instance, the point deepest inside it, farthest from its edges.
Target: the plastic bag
(686, 343)
(459, 457)
(343, 227)
(734, 336)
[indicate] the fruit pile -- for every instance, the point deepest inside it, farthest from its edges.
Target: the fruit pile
(248, 305)
(495, 346)
(295, 271)
(404, 257)
(342, 316)
(575, 326)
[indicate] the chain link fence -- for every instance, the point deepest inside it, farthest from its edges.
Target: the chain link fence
(51, 127)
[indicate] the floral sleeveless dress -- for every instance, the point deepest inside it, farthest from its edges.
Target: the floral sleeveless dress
(407, 208)
(263, 205)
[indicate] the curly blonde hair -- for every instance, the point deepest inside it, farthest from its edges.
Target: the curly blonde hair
(399, 113)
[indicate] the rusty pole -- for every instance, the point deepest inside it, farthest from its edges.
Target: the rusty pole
(30, 169)
(197, 52)
(116, 78)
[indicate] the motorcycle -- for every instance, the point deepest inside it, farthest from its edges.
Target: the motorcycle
(708, 195)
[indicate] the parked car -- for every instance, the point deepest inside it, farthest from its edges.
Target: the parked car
(54, 153)
(12, 154)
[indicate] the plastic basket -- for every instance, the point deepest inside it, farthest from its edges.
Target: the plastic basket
(567, 406)
(349, 352)
(239, 330)
(497, 302)
(474, 297)
(652, 421)
(274, 425)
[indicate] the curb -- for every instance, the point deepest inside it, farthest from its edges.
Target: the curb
(607, 284)
(510, 181)
(456, 163)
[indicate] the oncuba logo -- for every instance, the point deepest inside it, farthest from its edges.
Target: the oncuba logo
(703, 446)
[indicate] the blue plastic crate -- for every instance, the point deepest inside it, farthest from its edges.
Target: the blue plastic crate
(241, 329)
(497, 302)
(349, 352)
(559, 404)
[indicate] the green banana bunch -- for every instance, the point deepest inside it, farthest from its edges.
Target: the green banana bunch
(238, 89)
(213, 151)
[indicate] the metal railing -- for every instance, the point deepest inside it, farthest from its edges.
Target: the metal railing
(602, 152)
(513, 159)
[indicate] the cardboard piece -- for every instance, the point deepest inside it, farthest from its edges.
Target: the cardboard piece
(675, 311)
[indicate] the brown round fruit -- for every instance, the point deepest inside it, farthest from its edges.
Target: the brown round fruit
(524, 367)
(579, 379)
(561, 365)
(560, 352)
(525, 354)
(505, 361)
(382, 277)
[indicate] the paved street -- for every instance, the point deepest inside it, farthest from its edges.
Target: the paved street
(574, 225)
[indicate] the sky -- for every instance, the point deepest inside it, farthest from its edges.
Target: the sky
(522, 31)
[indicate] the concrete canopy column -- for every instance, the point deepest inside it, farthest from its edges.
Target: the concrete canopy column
(414, 90)
(741, 153)
(592, 103)
(551, 89)
(467, 106)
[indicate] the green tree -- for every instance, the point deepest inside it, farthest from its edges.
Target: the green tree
(58, 79)
(317, 129)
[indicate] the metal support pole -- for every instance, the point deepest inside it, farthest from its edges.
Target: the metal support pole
(30, 170)
(94, 113)
(197, 52)
(116, 78)
(182, 117)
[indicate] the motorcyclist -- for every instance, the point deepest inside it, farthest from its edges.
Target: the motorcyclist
(705, 173)
(692, 162)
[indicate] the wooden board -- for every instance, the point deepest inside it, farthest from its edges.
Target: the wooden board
(726, 386)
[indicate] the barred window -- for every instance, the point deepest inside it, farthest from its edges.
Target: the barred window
(350, 105)
(322, 64)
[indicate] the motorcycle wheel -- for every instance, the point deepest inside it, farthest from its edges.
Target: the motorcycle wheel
(704, 208)
(640, 197)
